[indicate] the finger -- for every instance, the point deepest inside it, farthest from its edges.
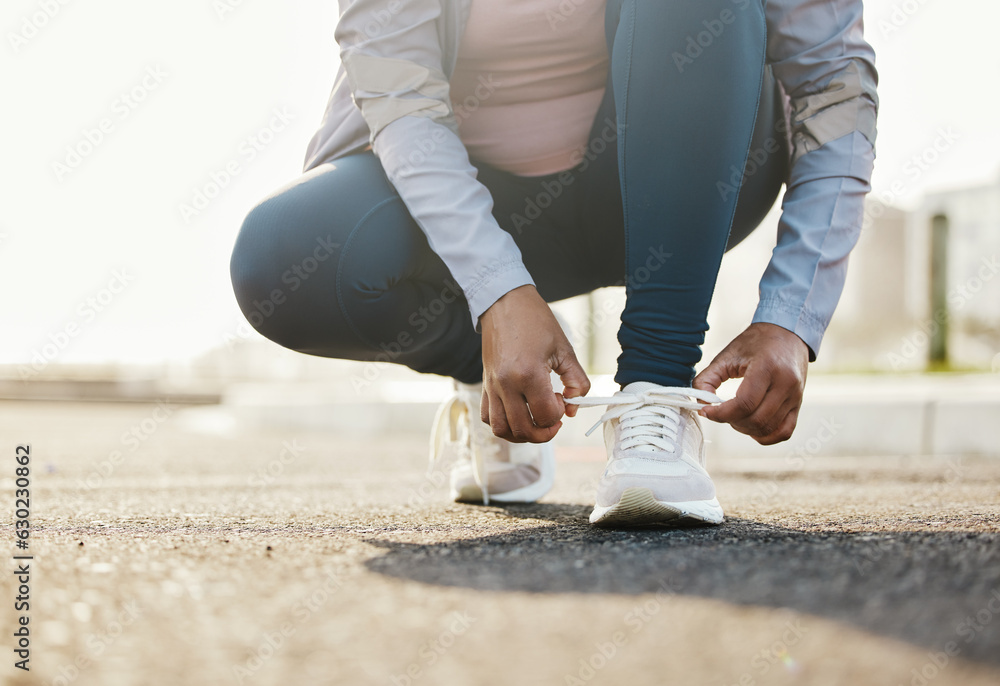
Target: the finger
(781, 397)
(712, 376)
(770, 416)
(498, 418)
(523, 428)
(570, 409)
(571, 373)
(484, 408)
(545, 407)
(574, 379)
(784, 431)
(748, 398)
(766, 422)
(723, 368)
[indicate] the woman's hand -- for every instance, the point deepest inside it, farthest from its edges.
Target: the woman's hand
(522, 343)
(772, 362)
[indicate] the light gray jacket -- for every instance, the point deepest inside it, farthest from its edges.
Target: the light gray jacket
(391, 92)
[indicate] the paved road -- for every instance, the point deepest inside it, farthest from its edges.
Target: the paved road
(281, 558)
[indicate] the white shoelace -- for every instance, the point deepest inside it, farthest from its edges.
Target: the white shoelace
(650, 417)
(452, 434)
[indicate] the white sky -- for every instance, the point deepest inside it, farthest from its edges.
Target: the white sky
(61, 240)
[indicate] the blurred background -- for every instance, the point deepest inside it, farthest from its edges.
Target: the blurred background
(136, 137)
(229, 488)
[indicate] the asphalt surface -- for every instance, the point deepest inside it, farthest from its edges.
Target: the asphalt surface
(280, 558)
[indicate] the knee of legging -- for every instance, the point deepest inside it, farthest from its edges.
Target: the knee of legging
(256, 271)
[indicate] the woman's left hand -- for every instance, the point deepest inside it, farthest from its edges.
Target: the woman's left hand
(772, 361)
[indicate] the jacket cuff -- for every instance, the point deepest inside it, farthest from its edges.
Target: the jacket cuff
(500, 279)
(793, 318)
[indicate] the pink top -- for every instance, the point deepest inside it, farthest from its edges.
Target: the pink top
(529, 80)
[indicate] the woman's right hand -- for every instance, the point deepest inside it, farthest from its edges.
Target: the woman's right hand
(522, 344)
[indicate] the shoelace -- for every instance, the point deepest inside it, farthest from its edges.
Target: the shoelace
(650, 417)
(451, 434)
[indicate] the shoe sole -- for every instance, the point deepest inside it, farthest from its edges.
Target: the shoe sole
(525, 494)
(638, 507)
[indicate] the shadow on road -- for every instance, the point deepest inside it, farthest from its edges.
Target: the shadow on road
(927, 588)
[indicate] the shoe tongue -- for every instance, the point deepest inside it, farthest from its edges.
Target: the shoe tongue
(640, 387)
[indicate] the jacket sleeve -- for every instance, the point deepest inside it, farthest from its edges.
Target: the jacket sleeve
(392, 56)
(819, 55)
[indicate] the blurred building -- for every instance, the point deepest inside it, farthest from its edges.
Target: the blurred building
(970, 219)
(888, 318)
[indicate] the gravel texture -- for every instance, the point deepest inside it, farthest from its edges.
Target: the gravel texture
(303, 558)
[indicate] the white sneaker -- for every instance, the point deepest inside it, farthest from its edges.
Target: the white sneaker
(483, 467)
(656, 458)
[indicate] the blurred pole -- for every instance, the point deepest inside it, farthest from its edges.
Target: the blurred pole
(939, 290)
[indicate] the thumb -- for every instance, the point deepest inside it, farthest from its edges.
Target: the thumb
(710, 378)
(574, 379)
